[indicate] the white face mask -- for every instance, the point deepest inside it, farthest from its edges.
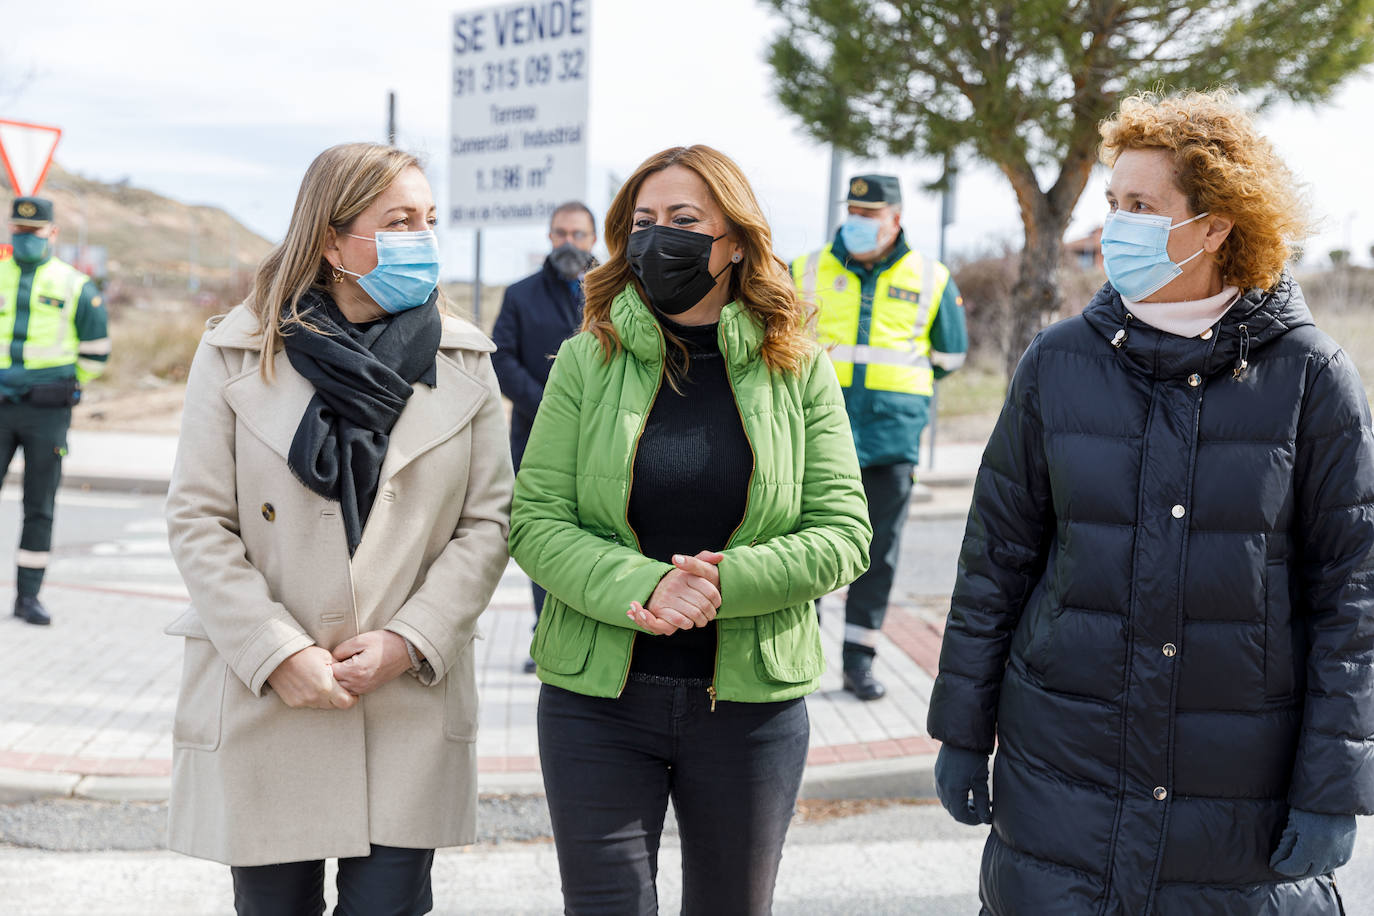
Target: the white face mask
(1135, 252)
(407, 269)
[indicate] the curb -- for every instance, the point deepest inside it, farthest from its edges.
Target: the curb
(17, 786)
(894, 777)
(103, 483)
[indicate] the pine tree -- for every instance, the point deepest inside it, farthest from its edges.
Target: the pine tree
(1023, 85)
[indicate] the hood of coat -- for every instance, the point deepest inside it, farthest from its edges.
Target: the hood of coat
(1257, 319)
(740, 333)
(238, 329)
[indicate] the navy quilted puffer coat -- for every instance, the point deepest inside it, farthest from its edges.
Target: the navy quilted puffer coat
(1165, 614)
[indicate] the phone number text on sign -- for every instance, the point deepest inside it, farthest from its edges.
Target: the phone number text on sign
(519, 111)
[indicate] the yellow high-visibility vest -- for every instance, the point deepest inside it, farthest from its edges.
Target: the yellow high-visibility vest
(50, 335)
(896, 352)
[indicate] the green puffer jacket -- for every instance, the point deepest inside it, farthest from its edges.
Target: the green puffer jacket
(805, 530)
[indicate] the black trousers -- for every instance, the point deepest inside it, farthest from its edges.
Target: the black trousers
(42, 433)
(611, 765)
(389, 882)
(888, 488)
(538, 600)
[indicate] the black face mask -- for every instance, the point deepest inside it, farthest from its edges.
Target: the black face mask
(570, 261)
(674, 265)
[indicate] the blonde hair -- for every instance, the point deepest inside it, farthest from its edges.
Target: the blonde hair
(760, 281)
(1223, 165)
(340, 184)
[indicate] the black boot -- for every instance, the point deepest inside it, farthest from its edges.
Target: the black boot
(27, 609)
(862, 683)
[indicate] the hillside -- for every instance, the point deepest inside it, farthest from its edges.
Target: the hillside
(158, 249)
(150, 238)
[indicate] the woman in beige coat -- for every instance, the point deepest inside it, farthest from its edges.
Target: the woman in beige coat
(339, 512)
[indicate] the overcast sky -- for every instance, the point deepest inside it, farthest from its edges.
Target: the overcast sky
(227, 104)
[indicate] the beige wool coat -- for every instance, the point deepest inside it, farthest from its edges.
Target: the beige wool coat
(266, 563)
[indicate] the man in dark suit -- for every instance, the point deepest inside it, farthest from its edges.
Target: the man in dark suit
(538, 313)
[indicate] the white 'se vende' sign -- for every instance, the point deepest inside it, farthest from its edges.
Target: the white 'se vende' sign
(518, 144)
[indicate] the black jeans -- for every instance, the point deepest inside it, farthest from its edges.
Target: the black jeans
(390, 882)
(888, 488)
(611, 765)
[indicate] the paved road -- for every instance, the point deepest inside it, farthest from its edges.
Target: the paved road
(899, 860)
(102, 540)
(119, 541)
(930, 559)
(903, 859)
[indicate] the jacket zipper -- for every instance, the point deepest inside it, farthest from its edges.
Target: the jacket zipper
(634, 453)
(748, 493)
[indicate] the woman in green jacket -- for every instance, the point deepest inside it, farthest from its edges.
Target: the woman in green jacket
(689, 489)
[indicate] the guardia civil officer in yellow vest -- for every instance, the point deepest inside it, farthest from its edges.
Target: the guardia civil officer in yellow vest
(52, 338)
(894, 323)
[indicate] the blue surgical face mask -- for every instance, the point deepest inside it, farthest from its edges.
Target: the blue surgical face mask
(1135, 252)
(29, 247)
(407, 269)
(860, 233)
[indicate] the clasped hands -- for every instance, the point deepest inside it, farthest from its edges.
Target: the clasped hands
(688, 596)
(316, 678)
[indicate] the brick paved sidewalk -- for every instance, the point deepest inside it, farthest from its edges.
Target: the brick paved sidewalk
(88, 702)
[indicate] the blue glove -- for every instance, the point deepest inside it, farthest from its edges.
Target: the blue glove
(1312, 844)
(958, 774)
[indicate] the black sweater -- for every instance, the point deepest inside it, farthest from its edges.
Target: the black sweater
(691, 479)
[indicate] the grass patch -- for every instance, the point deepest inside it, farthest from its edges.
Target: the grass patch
(152, 346)
(972, 390)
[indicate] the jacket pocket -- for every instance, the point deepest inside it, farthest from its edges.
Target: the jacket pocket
(197, 722)
(1279, 658)
(460, 696)
(789, 645)
(563, 639)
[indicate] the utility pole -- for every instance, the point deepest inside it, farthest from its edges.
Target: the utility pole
(233, 258)
(391, 118)
(477, 282)
(834, 194)
(193, 268)
(946, 186)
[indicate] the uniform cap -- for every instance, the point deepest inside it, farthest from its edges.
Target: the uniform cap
(31, 211)
(874, 191)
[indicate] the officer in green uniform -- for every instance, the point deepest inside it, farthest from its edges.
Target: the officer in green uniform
(893, 323)
(53, 337)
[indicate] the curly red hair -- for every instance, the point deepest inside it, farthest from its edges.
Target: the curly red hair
(1224, 166)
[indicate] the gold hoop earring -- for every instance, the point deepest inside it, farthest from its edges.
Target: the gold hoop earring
(336, 274)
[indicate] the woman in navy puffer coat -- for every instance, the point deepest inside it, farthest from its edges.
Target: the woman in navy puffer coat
(1164, 615)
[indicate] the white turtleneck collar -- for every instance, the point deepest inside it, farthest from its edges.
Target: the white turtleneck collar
(1185, 319)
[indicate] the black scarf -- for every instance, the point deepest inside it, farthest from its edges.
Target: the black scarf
(362, 376)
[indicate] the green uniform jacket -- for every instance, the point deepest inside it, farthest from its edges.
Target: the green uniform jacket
(52, 325)
(903, 314)
(805, 530)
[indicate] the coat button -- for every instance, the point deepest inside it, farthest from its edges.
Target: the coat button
(268, 512)
(1169, 649)
(1194, 380)
(1206, 335)
(1177, 511)
(1161, 793)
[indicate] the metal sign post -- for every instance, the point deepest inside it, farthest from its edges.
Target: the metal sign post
(946, 185)
(518, 120)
